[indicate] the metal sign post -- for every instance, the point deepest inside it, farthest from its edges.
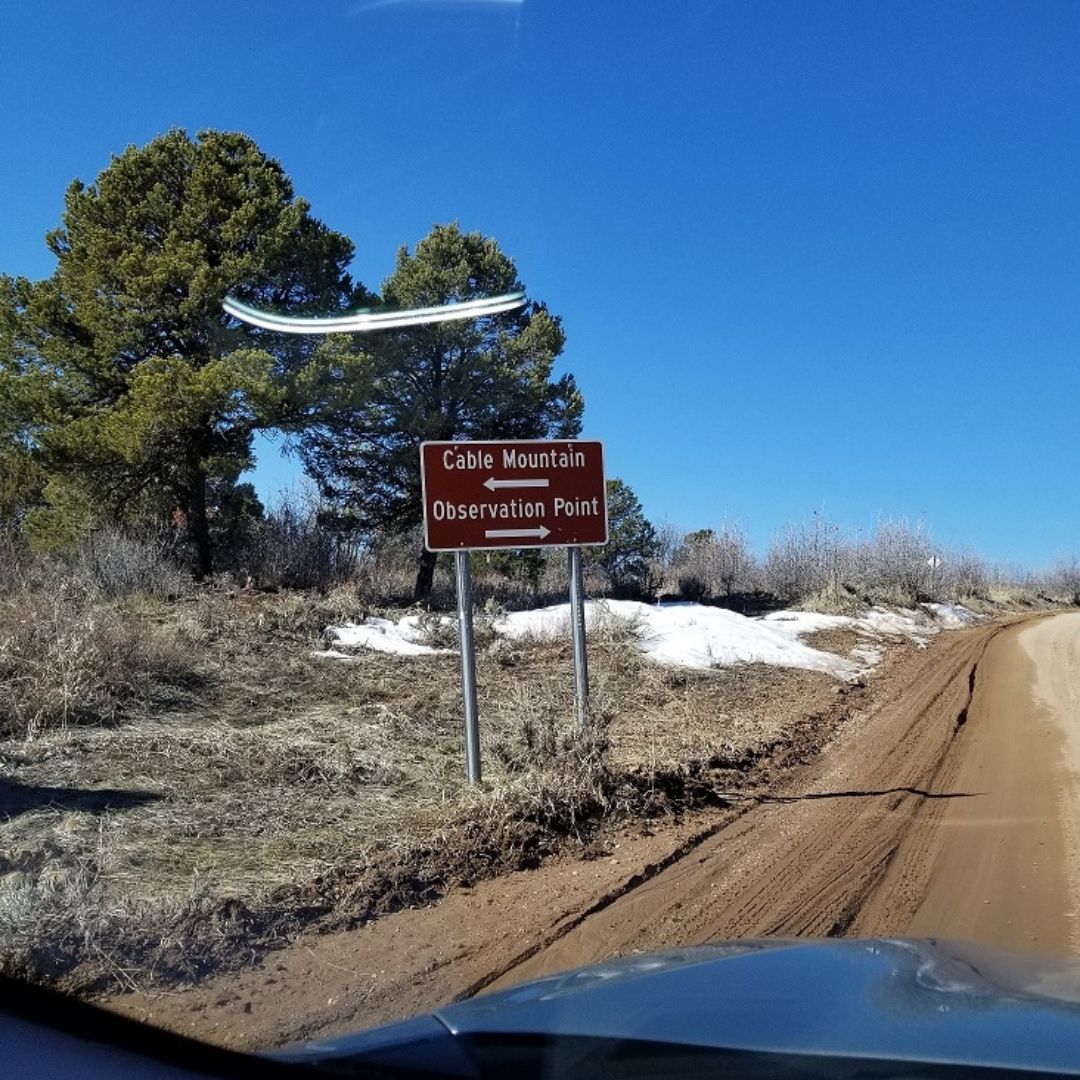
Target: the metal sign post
(463, 575)
(577, 629)
(934, 562)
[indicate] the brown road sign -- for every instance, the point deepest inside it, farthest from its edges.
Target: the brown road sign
(513, 494)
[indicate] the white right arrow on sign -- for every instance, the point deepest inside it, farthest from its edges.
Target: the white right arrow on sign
(517, 534)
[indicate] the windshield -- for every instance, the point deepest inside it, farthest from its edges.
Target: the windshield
(489, 487)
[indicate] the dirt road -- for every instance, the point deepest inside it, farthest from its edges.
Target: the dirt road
(950, 809)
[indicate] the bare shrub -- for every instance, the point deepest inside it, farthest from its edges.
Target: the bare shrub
(386, 567)
(901, 564)
(440, 631)
(122, 564)
(66, 658)
(386, 570)
(18, 565)
(613, 628)
(669, 539)
(293, 549)
(816, 566)
(555, 580)
(805, 560)
(711, 565)
(1064, 580)
(961, 576)
(437, 631)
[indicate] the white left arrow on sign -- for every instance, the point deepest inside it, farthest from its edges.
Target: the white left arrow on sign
(493, 485)
(517, 534)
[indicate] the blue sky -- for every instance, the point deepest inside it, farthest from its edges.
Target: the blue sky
(809, 256)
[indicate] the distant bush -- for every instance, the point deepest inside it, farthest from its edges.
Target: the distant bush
(291, 548)
(816, 565)
(122, 564)
(107, 563)
(965, 576)
(626, 558)
(15, 561)
(1063, 581)
(806, 560)
(386, 568)
(708, 565)
(901, 564)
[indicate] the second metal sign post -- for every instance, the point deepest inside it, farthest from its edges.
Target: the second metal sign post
(528, 493)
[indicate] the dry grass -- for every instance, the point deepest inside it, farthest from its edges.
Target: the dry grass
(65, 657)
(839, 640)
(195, 830)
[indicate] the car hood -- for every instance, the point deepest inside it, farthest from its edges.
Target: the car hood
(912, 1000)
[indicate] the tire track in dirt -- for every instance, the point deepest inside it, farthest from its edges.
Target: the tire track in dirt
(997, 867)
(810, 857)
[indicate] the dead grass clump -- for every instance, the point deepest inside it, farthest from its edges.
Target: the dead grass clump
(614, 628)
(663, 717)
(66, 658)
(63, 923)
(836, 640)
(836, 599)
(890, 595)
(513, 823)
(1009, 597)
(235, 618)
(438, 631)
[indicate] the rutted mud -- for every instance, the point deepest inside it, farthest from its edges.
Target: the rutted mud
(943, 812)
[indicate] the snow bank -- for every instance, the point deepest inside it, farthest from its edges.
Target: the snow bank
(696, 636)
(688, 635)
(682, 635)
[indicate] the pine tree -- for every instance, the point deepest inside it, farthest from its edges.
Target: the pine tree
(146, 394)
(488, 378)
(631, 545)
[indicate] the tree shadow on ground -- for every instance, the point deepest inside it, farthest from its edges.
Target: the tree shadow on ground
(17, 799)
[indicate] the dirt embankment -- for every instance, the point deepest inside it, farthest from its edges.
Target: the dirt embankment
(943, 811)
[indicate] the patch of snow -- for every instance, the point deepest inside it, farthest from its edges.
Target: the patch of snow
(542, 624)
(384, 635)
(869, 655)
(551, 623)
(684, 634)
(703, 637)
(952, 616)
(887, 622)
(797, 623)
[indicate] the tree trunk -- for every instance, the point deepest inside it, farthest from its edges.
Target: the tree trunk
(199, 526)
(425, 577)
